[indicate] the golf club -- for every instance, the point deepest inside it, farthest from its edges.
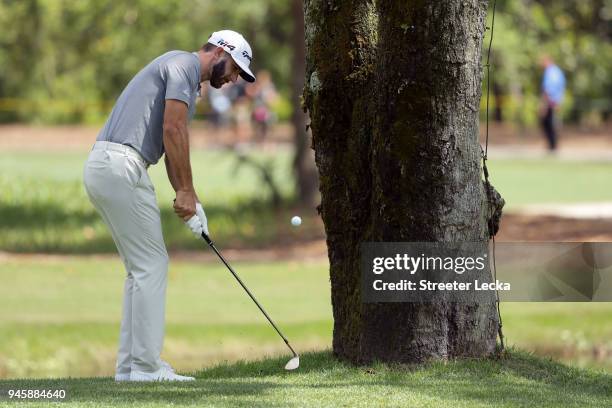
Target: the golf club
(295, 361)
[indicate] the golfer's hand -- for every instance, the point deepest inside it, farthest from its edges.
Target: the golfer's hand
(198, 222)
(185, 204)
(202, 216)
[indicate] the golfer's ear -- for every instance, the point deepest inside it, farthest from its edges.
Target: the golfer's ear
(219, 52)
(175, 115)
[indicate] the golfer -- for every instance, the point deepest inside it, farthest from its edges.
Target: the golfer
(150, 120)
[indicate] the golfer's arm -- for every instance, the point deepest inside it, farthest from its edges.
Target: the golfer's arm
(170, 173)
(176, 145)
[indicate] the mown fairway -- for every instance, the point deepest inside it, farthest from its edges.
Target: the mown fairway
(43, 206)
(518, 380)
(60, 316)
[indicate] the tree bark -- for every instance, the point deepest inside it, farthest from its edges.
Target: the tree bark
(393, 90)
(303, 163)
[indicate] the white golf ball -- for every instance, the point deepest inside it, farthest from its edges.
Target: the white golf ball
(296, 221)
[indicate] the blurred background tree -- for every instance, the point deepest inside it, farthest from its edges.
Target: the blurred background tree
(66, 61)
(576, 33)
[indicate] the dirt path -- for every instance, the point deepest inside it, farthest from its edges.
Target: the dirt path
(524, 227)
(20, 137)
(308, 251)
(505, 138)
(571, 137)
(514, 227)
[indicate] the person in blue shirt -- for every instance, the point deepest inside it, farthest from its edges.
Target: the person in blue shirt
(553, 88)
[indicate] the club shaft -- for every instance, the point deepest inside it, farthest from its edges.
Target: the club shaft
(212, 245)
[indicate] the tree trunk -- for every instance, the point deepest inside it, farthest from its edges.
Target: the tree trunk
(303, 162)
(393, 90)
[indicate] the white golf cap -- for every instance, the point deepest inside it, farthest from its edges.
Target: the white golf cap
(240, 50)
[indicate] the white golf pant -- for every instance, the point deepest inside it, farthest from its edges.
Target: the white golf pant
(118, 185)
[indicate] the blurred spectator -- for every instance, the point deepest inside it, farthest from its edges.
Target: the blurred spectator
(553, 88)
(240, 111)
(263, 94)
(220, 105)
(245, 106)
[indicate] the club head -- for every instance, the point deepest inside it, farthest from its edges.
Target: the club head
(293, 363)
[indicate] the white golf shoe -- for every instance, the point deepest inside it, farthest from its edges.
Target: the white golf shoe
(163, 374)
(120, 377)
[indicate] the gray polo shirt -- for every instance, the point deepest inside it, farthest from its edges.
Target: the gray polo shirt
(138, 115)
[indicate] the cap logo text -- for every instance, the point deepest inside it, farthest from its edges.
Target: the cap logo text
(224, 43)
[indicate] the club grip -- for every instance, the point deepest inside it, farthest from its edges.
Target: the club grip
(207, 238)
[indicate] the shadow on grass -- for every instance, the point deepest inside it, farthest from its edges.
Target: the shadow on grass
(53, 228)
(518, 380)
(40, 216)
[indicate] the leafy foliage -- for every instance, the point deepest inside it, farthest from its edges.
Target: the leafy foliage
(67, 61)
(575, 33)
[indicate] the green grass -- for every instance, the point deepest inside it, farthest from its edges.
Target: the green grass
(43, 207)
(518, 380)
(550, 180)
(60, 316)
